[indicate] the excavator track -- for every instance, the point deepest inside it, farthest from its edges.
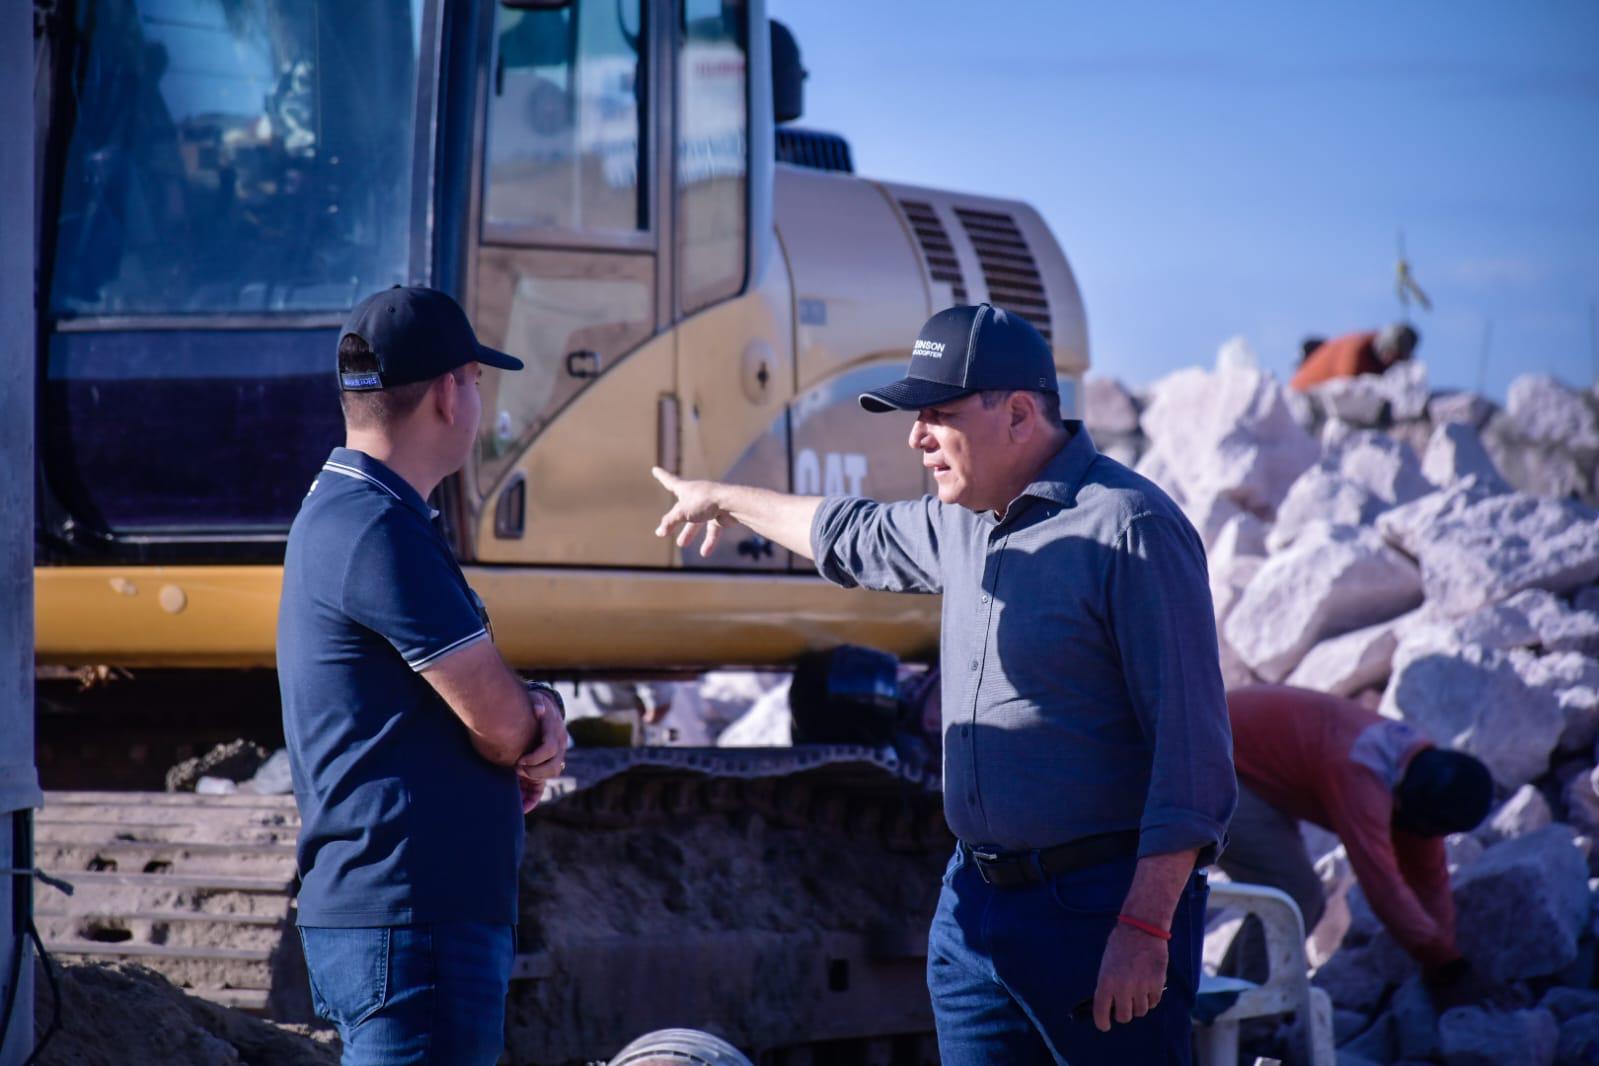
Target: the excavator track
(201, 887)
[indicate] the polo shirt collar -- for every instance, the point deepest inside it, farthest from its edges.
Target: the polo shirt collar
(360, 466)
(1063, 475)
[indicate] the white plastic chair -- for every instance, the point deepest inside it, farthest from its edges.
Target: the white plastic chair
(1287, 988)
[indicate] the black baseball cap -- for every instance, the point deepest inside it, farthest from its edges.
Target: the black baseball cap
(416, 334)
(963, 350)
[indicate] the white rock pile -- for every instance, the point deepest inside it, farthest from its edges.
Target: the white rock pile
(1436, 557)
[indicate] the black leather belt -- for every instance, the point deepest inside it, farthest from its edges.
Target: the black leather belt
(1016, 869)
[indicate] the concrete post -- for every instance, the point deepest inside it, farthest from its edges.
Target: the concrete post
(19, 782)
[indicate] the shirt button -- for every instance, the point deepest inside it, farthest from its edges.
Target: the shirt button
(984, 598)
(973, 664)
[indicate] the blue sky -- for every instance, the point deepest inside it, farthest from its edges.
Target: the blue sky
(1243, 168)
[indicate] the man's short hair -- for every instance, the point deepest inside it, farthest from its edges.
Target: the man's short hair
(1048, 402)
(378, 408)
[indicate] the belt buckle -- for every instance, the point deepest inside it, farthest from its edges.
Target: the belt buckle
(982, 856)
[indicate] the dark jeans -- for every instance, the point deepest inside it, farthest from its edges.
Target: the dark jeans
(412, 993)
(1005, 967)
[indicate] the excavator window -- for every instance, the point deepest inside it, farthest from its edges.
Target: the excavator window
(236, 157)
(712, 152)
(566, 119)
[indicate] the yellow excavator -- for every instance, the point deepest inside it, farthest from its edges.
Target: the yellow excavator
(617, 193)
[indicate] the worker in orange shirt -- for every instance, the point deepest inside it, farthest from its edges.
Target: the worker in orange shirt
(1380, 785)
(1366, 352)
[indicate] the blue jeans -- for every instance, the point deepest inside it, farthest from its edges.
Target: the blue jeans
(412, 993)
(1006, 967)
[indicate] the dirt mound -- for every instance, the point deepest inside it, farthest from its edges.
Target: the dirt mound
(126, 1015)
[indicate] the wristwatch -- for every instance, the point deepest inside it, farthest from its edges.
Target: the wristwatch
(549, 690)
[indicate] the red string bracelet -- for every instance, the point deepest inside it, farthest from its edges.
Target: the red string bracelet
(1143, 927)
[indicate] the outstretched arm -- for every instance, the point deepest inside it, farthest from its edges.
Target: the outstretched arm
(713, 505)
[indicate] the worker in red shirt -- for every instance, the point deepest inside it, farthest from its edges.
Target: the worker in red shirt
(1380, 785)
(1353, 354)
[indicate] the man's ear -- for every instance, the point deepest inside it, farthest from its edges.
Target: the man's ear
(1019, 415)
(446, 396)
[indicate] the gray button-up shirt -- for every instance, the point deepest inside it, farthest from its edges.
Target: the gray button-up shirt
(1082, 692)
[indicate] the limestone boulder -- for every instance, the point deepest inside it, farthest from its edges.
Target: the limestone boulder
(1406, 386)
(1241, 536)
(1526, 811)
(1463, 408)
(1539, 469)
(1475, 700)
(1209, 513)
(1521, 908)
(1378, 1043)
(1228, 579)
(1415, 435)
(1235, 673)
(1501, 626)
(1549, 412)
(1125, 450)
(767, 724)
(1415, 1021)
(1476, 547)
(1303, 410)
(1358, 401)
(1475, 1036)
(1558, 625)
(1224, 433)
(1321, 494)
(1109, 409)
(1359, 976)
(1361, 476)
(1456, 452)
(1236, 353)
(1348, 663)
(1331, 580)
(1582, 802)
(1568, 1003)
(1573, 681)
(1579, 1041)
(1397, 395)
(1460, 850)
(1385, 467)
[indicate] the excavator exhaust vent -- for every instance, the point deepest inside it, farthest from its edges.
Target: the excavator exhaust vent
(936, 246)
(1008, 265)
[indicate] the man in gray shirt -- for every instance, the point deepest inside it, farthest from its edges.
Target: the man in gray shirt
(1087, 757)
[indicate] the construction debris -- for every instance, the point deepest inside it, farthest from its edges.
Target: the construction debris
(1437, 557)
(236, 760)
(117, 1014)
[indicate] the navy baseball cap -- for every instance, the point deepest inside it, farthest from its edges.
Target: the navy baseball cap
(416, 334)
(963, 350)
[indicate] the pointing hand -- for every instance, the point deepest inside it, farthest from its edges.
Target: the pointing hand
(696, 508)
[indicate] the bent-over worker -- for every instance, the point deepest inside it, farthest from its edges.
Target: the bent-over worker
(1353, 354)
(1382, 787)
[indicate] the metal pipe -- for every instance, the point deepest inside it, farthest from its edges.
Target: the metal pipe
(19, 781)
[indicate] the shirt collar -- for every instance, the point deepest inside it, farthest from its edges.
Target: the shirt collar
(1063, 475)
(360, 466)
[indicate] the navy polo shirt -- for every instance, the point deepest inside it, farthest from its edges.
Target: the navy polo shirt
(401, 820)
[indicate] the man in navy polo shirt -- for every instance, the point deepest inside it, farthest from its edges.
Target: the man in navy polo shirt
(415, 750)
